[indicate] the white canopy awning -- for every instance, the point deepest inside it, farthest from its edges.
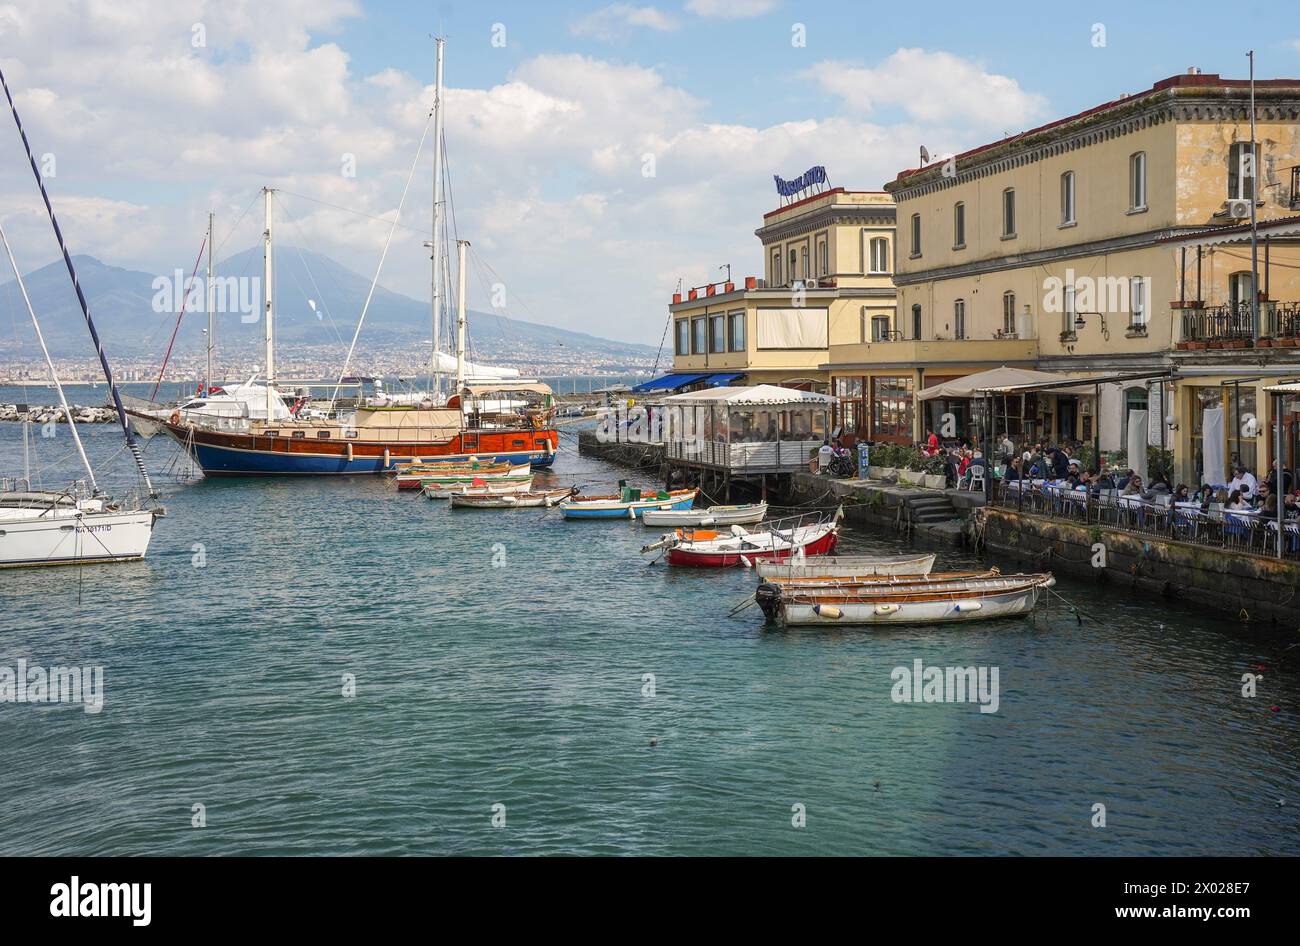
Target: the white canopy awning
(975, 385)
(766, 395)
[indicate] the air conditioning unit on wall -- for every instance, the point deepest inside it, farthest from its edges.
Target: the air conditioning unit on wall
(1239, 208)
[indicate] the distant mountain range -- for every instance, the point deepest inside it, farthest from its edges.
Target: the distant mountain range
(122, 302)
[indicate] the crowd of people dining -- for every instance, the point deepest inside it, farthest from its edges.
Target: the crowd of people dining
(1057, 467)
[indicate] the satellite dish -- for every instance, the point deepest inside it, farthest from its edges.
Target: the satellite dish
(925, 156)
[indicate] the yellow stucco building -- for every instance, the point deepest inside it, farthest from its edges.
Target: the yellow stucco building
(1113, 241)
(827, 281)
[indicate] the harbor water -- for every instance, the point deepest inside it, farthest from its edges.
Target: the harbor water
(529, 685)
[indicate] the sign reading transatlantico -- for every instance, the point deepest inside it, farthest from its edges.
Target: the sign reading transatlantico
(809, 178)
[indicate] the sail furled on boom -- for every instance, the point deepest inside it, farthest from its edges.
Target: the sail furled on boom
(131, 443)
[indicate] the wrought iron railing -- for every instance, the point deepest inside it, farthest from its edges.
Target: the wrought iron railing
(1218, 323)
(1209, 524)
(1281, 319)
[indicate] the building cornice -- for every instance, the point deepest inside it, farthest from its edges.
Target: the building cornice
(1132, 241)
(1176, 104)
(782, 297)
(825, 217)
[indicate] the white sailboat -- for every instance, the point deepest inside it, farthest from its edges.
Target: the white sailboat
(80, 524)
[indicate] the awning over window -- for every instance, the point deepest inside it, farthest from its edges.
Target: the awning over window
(669, 382)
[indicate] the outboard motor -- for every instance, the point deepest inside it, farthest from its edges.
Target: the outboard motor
(768, 597)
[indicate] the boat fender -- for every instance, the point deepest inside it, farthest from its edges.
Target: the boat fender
(631, 512)
(708, 521)
(967, 606)
(827, 611)
(1051, 582)
(175, 418)
(886, 608)
(387, 459)
(349, 451)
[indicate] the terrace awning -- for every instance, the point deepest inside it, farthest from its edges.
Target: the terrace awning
(669, 382)
(769, 395)
(717, 380)
(975, 385)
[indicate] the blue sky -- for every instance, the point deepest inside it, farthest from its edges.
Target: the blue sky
(547, 135)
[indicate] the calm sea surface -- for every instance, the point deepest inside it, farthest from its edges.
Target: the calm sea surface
(500, 659)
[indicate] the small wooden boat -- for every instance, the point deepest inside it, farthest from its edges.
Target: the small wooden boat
(494, 471)
(712, 516)
(617, 507)
(844, 566)
(549, 497)
(700, 548)
(485, 488)
(936, 599)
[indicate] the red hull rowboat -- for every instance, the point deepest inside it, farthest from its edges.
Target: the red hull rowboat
(711, 550)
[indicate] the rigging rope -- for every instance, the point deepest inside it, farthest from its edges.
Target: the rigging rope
(185, 298)
(81, 296)
(382, 256)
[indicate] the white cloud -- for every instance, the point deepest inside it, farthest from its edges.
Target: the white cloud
(618, 20)
(932, 87)
(730, 9)
(547, 163)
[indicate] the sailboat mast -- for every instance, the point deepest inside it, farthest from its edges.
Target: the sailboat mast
(267, 313)
(461, 247)
(49, 363)
(435, 369)
(207, 304)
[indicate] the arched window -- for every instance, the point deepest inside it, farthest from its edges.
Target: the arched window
(879, 255)
(1137, 181)
(1067, 198)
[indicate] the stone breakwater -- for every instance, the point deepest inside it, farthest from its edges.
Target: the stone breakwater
(53, 413)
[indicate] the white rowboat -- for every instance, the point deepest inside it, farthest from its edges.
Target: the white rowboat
(845, 566)
(712, 516)
(448, 490)
(939, 600)
(550, 497)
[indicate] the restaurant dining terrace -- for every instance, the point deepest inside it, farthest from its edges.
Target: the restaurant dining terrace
(747, 430)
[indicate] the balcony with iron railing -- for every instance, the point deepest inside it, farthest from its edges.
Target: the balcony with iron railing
(1231, 326)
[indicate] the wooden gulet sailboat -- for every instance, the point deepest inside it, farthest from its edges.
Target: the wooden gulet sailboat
(78, 525)
(488, 415)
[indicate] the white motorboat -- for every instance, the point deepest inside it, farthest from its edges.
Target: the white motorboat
(49, 528)
(844, 566)
(704, 518)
